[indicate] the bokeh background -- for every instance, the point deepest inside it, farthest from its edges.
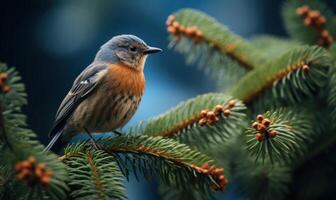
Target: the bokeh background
(51, 42)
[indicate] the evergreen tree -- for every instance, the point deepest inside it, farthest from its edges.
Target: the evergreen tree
(270, 125)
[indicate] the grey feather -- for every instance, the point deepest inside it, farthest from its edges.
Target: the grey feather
(82, 87)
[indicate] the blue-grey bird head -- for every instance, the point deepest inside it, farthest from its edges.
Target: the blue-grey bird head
(126, 49)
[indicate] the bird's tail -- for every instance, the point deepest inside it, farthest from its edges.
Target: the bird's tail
(55, 143)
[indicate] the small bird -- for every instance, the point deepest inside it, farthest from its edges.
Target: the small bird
(106, 94)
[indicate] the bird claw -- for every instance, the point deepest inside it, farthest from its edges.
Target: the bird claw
(96, 145)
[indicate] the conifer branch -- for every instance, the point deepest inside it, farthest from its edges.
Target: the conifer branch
(216, 49)
(295, 75)
(279, 135)
(211, 117)
(310, 21)
(194, 33)
(94, 174)
(12, 93)
(156, 157)
(31, 173)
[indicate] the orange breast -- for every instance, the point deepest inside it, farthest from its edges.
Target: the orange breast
(126, 79)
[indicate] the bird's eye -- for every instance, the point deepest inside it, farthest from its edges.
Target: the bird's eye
(132, 48)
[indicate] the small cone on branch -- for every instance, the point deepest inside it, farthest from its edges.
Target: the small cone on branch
(305, 68)
(266, 122)
(231, 104)
(219, 109)
(227, 112)
(302, 11)
(31, 172)
(260, 118)
(259, 137)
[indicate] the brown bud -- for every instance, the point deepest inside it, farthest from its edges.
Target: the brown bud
(38, 172)
(202, 121)
(204, 113)
(211, 115)
(25, 164)
(18, 166)
(259, 137)
(170, 20)
(182, 29)
(6, 89)
(255, 125)
(221, 177)
(189, 32)
(322, 20)
(193, 29)
(176, 25)
(199, 33)
(305, 68)
(227, 112)
(42, 166)
(325, 34)
(3, 77)
(231, 103)
(273, 133)
(49, 173)
(45, 180)
(206, 166)
(171, 29)
(218, 109)
(31, 160)
(219, 171)
(261, 127)
(266, 122)
(260, 118)
(23, 174)
(314, 14)
(307, 21)
(302, 11)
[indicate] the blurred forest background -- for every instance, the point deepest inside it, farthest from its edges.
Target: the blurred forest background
(51, 42)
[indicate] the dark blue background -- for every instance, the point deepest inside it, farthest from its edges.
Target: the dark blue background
(50, 42)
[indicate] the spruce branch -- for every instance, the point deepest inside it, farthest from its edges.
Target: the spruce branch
(93, 174)
(310, 21)
(201, 121)
(156, 157)
(252, 180)
(12, 93)
(291, 78)
(214, 47)
(281, 135)
(31, 174)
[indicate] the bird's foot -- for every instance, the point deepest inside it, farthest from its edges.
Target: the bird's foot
(96, 145)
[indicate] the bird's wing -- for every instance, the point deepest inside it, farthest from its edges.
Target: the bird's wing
(84, 84)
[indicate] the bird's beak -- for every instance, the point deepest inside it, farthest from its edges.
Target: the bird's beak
(151, 50)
